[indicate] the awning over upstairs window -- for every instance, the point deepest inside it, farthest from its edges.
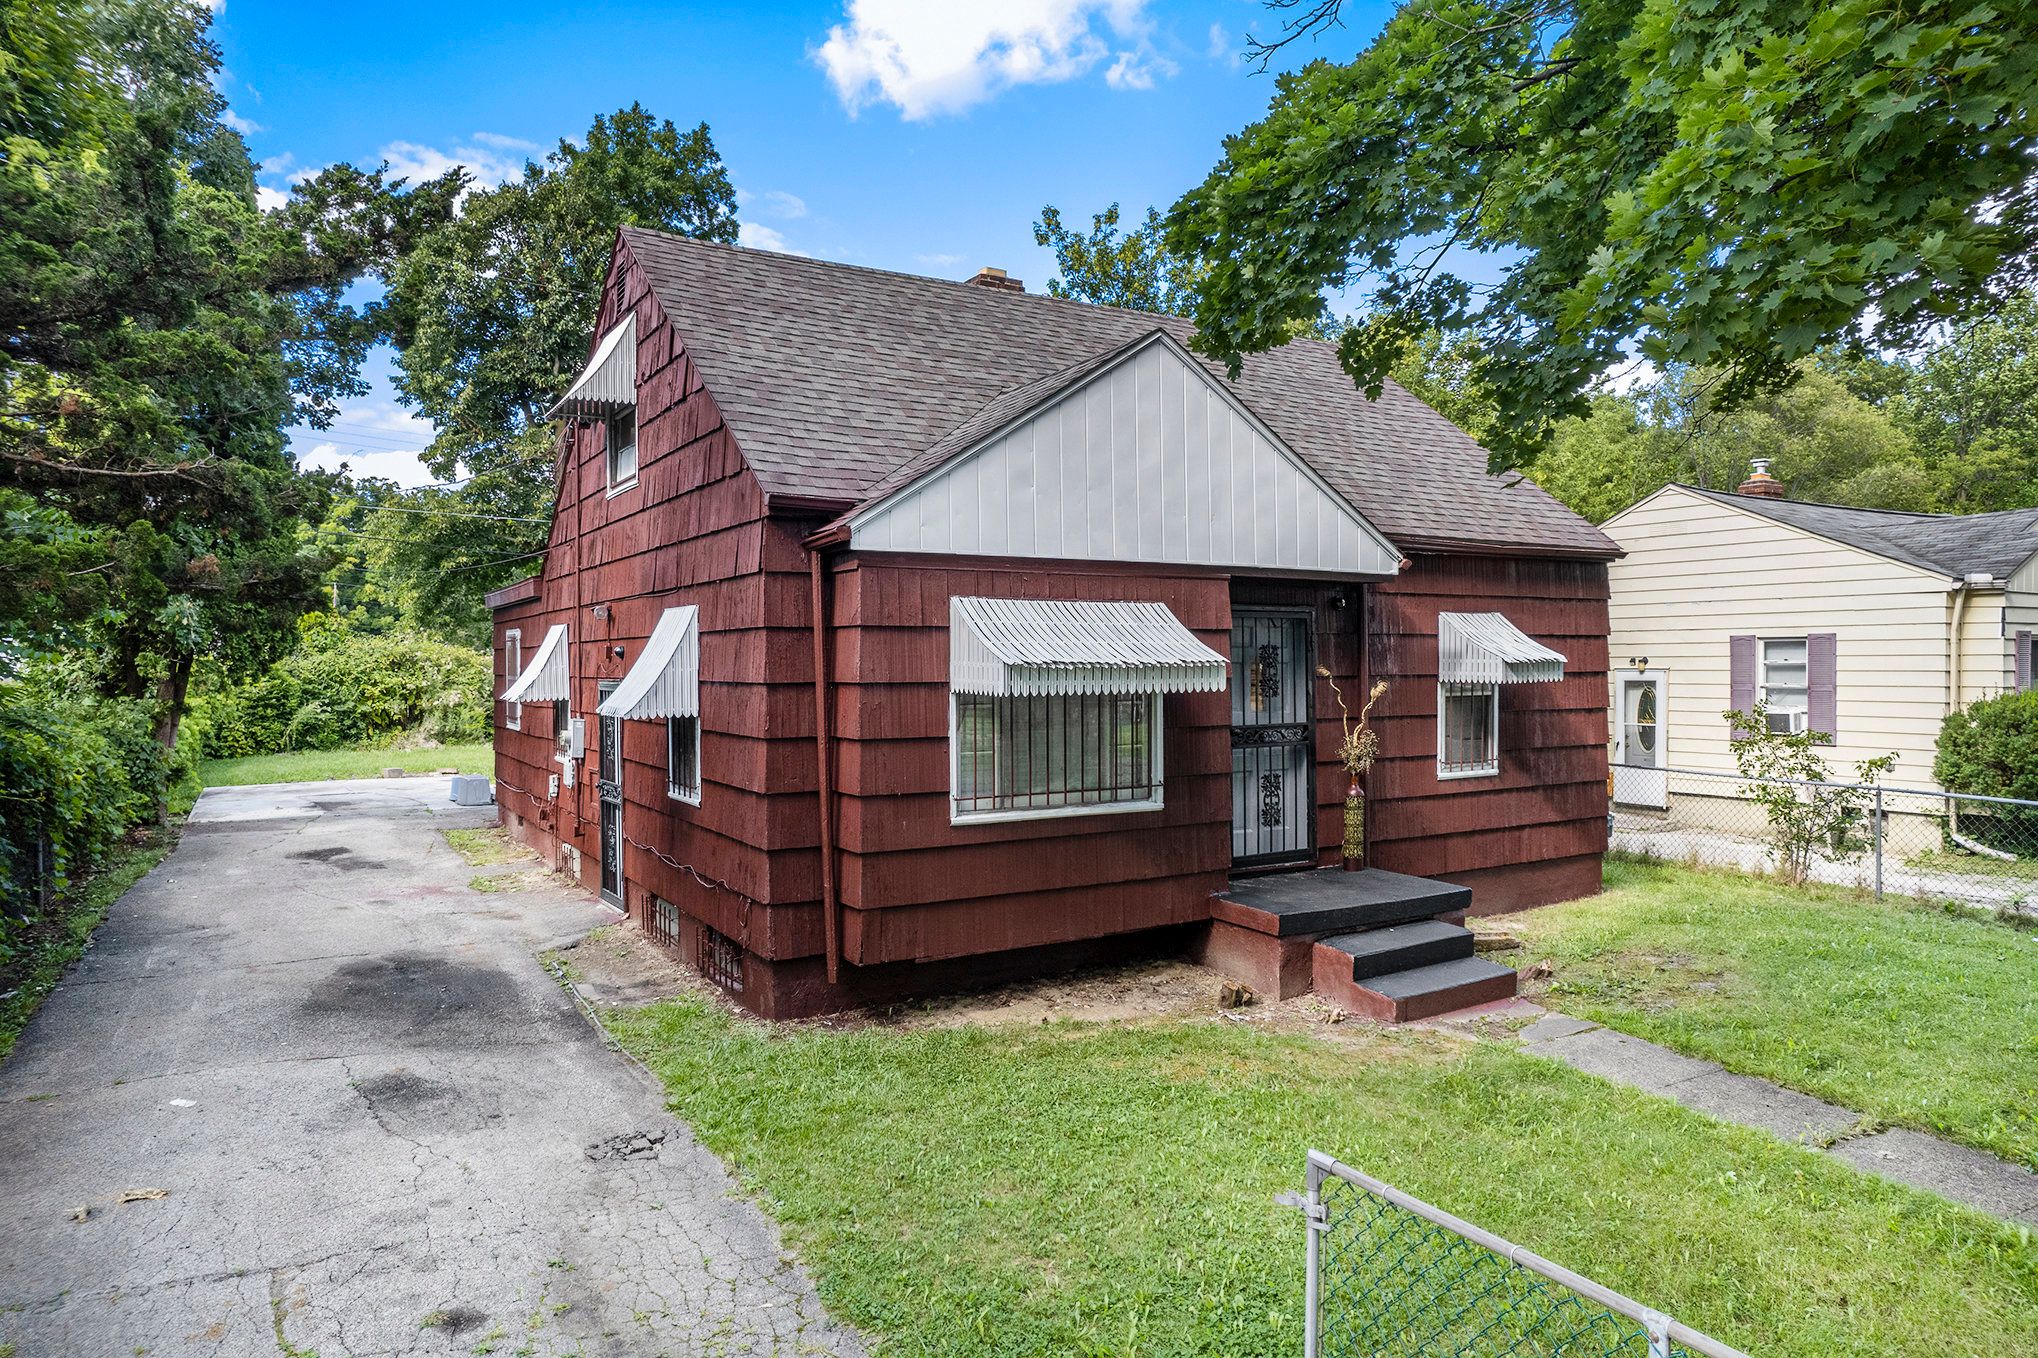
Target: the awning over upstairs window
(666, 680)
(1485, 648)
(544, 677)
(609, 381)
(1027, 647)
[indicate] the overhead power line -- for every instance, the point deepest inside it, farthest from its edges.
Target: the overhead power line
(457, 514)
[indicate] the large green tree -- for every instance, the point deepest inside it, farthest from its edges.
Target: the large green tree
(491, 316)
(1717, 185)
(160, 332)
(1112, 266)
(1971, 406)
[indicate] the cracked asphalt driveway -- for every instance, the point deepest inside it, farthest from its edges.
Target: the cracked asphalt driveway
(381, 1126)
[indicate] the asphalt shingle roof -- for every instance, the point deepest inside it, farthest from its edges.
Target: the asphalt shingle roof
(836, 378)
(1957, 545)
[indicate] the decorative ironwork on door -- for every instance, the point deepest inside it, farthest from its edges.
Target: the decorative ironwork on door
(1272, 764)
(609, 783)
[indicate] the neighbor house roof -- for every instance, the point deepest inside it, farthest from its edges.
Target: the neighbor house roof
(838, 381)
(1956, 545)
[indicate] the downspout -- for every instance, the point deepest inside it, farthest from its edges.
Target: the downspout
(1956, 648)
(831, 924)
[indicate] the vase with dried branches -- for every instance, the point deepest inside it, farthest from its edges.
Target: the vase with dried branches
(1358, 749)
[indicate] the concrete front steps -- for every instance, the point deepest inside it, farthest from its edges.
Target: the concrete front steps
(1380, 944)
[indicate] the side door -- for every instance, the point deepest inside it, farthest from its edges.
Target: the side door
(1640, 745)
(609, 785)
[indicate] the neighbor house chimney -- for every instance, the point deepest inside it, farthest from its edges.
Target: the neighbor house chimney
(1760, 482)
(996, 278)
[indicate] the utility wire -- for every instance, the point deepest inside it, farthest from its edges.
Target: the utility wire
(457, 514)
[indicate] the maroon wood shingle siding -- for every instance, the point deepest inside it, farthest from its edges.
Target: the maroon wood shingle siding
(692, 530)
(1542, 820)
(920, 896)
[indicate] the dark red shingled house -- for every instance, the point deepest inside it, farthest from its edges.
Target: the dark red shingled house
(899, 635)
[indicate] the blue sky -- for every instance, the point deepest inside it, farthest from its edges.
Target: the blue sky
(907, 134)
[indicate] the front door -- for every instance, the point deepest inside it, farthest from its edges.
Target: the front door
(1273, 792)
(609, 783)
(1640, 753)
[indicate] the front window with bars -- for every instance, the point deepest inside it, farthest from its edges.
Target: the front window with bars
(1468, 730)
(1061, 754)
(683, 759)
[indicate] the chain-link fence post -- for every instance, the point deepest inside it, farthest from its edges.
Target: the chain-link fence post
(1312, 1280)
(1878, 841)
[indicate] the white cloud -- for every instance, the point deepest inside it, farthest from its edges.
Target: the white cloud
(490, 158)
(779, 203)
(758, 236)
(247, 127)
(938, 261)
(371, 437)
(930, 57)
(269, 199)
(1220, 47)
(1136, 70)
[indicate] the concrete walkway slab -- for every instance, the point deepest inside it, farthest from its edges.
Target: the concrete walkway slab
(1974, 1178)
(1958, 1172)
(371, 1110)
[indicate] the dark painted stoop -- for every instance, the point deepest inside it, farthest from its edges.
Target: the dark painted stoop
(1382, 944)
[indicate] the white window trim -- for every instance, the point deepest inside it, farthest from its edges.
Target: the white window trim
(673, 791)
(1483, 771)
(1157, 803)
(1801, 716)
(512, 713)
(608, 457)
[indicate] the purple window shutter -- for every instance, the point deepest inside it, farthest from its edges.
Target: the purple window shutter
(1821, 663)
(2023, 662)
(1741, 674)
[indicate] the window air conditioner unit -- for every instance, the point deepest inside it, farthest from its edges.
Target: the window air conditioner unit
(1790, 722)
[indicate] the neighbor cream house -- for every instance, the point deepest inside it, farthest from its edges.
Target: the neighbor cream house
(1869, 625)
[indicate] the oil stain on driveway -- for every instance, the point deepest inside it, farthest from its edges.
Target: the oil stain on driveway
(381, 1126)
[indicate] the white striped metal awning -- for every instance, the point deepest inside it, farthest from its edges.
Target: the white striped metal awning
(1485, 648)
(609, 381)
(1028, 647)
(544, 679)
(666, 680)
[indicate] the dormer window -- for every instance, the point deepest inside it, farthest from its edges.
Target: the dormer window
(620, 449)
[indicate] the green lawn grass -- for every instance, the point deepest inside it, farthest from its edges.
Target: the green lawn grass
(311, 766)
(1109, 1190)
(1909, 1014)
(46, 949)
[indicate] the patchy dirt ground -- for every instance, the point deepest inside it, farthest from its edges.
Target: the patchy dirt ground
(619, 965)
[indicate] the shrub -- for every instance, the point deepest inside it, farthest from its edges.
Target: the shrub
(1804, 822)
(1992, 748)
(75, 774)
(342, 688)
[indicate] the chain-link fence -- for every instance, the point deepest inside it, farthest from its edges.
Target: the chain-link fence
(1390, 1276)
(1934, 846)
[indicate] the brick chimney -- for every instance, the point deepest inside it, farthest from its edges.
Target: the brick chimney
(1760, 482)
(997, 278)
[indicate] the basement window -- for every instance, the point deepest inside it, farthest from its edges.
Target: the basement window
(1468, 730)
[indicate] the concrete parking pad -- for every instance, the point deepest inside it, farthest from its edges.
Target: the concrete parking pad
(308, 1093)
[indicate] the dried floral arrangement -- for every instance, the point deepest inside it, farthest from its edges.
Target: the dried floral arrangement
(1357, 751)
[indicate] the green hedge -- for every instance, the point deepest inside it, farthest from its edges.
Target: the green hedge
(75, 774)
(342, 689)
(1991, 749)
